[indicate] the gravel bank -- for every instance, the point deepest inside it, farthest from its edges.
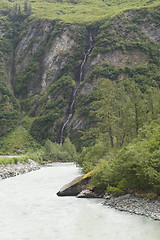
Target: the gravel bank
(12, 170)
(132, 204)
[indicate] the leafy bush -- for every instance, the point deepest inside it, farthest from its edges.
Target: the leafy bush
(90, 156)
(54, 152)
(36, 155)
(100, 177)
(114, 191)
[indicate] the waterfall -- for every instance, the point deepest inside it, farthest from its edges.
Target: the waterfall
(71, 107)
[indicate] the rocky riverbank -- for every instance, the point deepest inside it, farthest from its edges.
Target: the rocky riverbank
(127, 203)
(12, 170)
(136, 205)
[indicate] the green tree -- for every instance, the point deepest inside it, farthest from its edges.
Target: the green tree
(153, 101)
(139, 106)
(69, 147)
(113, 112)
(57, 152)
(26, 6)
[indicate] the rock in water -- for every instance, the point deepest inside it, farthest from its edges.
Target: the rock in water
(76, 186)
(87, 194)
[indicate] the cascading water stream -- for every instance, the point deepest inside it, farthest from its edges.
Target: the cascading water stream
(71, 107)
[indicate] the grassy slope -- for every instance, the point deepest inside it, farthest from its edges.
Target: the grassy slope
(18, 141)
(81, 11)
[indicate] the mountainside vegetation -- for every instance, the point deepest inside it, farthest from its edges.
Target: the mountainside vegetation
(79, 11)
(100, 59)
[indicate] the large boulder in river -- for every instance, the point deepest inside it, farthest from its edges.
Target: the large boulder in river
(76, 186)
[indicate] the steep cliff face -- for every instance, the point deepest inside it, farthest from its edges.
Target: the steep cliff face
(30, 43)
(50, 55)
(127, 47)
(47, 60)
(46, 63)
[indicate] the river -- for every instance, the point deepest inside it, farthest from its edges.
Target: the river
(31, 210)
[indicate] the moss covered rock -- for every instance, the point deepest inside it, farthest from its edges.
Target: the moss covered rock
(76, 186)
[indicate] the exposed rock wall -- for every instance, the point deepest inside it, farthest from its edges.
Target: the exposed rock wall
(56, 58)
(52, 59)
(35, 34)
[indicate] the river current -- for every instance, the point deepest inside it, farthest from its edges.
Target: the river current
(31, 210)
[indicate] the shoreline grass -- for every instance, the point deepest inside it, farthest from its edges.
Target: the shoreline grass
(5, 160)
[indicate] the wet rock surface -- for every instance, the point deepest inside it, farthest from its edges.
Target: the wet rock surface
(88, 194)
(132, 204)
(12, 170)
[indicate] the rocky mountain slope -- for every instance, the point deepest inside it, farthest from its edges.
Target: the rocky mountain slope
(42, 60)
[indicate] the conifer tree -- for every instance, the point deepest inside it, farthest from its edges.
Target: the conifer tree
(25, 6)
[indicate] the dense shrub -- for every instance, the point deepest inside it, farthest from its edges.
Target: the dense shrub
(135, 167)
(54, 152)
(90, 156)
